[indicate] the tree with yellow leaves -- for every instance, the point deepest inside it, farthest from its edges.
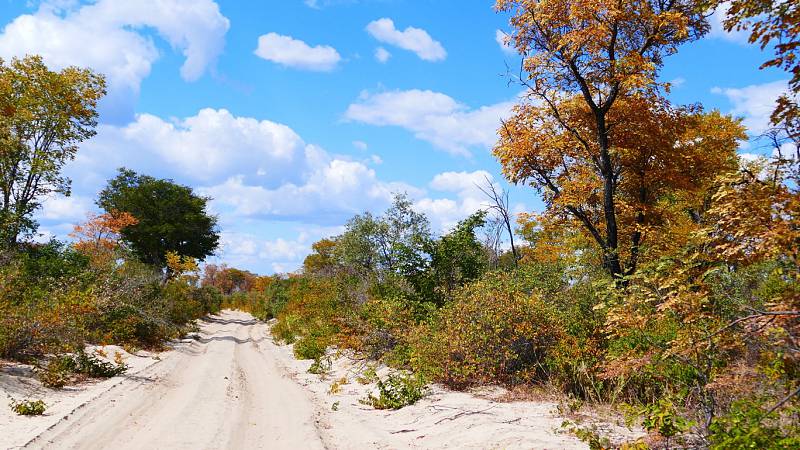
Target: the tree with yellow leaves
(592, 132)
(182, 268)
(44, 115)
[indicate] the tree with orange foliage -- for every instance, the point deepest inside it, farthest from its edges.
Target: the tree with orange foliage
(592, 117)
(99, 236)
(228, 279)
(182, 268)
(663, 160)
(322, 260)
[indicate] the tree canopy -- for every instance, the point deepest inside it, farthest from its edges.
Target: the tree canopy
(170, 217)
(594, 133)
(44, 115)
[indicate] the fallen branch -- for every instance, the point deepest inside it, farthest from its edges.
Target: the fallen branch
(462, 414)
(511, 421)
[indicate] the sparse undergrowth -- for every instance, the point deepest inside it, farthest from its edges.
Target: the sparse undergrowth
(28, 407)
(396, 391)
(60, 370)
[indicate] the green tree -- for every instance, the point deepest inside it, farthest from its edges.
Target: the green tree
(44, 115)
(394, 242)
(171, 218)
(457, 258)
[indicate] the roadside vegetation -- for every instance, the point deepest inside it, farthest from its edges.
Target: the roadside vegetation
(661, 278)
(127, 276)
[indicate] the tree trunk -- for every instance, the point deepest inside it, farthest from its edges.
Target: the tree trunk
(611, 256)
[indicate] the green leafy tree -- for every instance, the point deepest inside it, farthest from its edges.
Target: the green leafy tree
(394, 242)
(457, 258)
(171, 218)
(44, 115)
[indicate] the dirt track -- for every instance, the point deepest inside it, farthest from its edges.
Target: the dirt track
(231, 387)
(222, 391)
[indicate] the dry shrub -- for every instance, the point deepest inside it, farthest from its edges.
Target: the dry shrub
(493, 332)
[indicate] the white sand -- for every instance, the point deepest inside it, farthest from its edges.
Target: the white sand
(233, 388)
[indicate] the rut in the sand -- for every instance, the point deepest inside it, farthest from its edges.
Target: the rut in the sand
(222, 391)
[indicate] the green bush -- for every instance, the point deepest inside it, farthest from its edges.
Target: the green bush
(746, 426)
(310, 347)
(493, 331)
(396, 392)
(95, 367)
(28, 407)
(52, 301)
(320, 366)
(58, 371)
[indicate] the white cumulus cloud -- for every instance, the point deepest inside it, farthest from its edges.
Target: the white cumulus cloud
(330, 192)
(717, 20)
(207, 146)
(433, 117)
(108, 36)
(66, 209)
(413, 39)
(445, 212)
(754, 103)
(290, 52)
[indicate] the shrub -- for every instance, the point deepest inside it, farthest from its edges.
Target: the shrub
(396, 392)
(663, 418)
(320, 366)
(58, 371)
(311, 318)
(310, 347)
(95, 367)
(28, 407)
(385, 321)
(494, 331)
(747, 426)
(52, 302)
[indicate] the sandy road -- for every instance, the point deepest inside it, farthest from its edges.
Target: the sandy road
(223, 391)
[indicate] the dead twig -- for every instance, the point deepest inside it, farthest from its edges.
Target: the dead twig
(462, 414)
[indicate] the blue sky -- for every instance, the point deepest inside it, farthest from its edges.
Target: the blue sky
(296, 114)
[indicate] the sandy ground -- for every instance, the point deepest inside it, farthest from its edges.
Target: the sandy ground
(231, 387)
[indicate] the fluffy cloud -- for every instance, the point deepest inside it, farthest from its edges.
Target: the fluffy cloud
(413, 39)
(290, 52)
(108, 36)
(717, 20)
(253, 168)
(207, 146)
(71, 209)
(433, 117)
(445, 213)
(464, 183)
(382, 55)
(332, 191)
(754, 103)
